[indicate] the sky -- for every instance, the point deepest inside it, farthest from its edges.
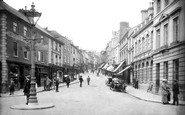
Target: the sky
(88, 23)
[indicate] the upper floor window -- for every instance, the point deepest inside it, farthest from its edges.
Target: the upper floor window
(25, 30)
(39, 56)
(176, 29)
(15, 49)
(42, 56)
(166, 34)
(25, 52)
(158, 38)
(166, 2)
(59, 47)
(56, 46)
(73, 50)
(158, 6)
(65, 59)
(14, 27)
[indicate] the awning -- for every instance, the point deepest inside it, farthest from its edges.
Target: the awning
(119, 66)
(110, 68)
(105, 66)
(101, 65)
(124, 70)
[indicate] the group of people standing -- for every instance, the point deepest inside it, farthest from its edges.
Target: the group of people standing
(165, 92)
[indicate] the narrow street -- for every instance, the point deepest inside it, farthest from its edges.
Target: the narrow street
(95, 99)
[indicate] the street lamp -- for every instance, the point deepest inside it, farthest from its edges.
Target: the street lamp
(33, 17)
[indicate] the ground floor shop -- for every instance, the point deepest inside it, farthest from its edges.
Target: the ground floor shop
(169, 63)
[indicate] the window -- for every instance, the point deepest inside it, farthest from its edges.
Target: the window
(73, 60)
(151, 40)
(25, 31)
(42, 56)
(73, 50)
(166, 2)
(158, 38)
(158, 75)
(65, 59)
(166, 34)
(165, 70)
(53, 44)
(14, 27)
(59, 47)
(176, 69)
(25, 52)
(39, 56)
(176, 29)
(56, 57)
(158, 6)
(15, 49)
(56, 46)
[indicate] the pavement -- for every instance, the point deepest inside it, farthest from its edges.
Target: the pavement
(138, 93)
(39, 90)
(144, 95)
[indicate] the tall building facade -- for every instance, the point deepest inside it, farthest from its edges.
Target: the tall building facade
(169, 43)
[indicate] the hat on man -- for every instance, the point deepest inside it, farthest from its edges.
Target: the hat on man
(164, 80)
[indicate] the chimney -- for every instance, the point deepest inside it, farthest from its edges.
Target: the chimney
(124, 26)
(150, 9)
(144, 14)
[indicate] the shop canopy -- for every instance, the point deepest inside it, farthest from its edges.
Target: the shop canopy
(101, 65)
(110, 68)
(119, 66)
(123, 70)
(105, 66)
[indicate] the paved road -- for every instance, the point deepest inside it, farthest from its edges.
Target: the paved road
(95, 99)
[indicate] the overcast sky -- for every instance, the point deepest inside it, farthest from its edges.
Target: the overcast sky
(88, 23)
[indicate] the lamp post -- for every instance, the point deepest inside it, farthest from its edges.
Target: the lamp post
(32, 102)
(32, 15)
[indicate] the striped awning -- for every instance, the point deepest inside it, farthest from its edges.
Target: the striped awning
(105, 66)
(119, 66)
(123, 70)
(110, 68)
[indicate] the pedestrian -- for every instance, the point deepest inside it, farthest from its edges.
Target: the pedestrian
(48, 83)
(12, 86)
(137, 83)
(175, 92)
(27, 89)
(88, 80)
(81, 80)
(164, 92)
(57, 84)
(68, 81)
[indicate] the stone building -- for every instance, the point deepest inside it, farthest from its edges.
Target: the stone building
(169, 43)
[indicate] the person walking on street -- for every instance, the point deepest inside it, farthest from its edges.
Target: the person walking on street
(12, 86)
(88, 80)
(81, 80)
(27, 89)
(68, 81)
(57, 84)
(164, 91)
(175, 92)
(48, 83)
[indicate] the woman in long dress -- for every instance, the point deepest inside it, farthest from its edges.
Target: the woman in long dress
(164, 91)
